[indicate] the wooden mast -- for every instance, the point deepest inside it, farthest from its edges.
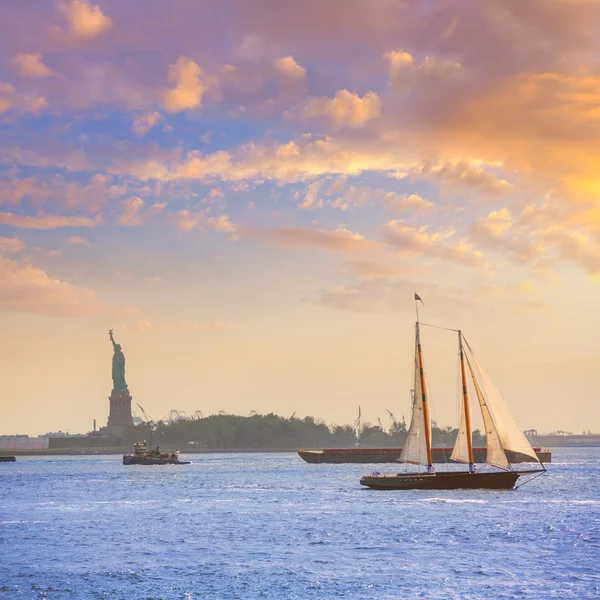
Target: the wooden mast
(466, 406)
(425, 404)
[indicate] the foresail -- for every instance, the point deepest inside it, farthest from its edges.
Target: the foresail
(415, 447)
(460, 452)
(511, 438)
(495, 454)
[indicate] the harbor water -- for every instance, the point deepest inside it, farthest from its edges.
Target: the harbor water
(272, 526)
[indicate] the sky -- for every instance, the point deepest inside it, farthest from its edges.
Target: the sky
(249, 193)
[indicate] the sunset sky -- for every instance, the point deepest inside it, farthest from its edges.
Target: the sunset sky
(249, 193)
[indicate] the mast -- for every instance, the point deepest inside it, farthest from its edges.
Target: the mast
(425, 404)
(466, 407)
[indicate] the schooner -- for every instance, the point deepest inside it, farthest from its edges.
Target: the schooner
(502, 433)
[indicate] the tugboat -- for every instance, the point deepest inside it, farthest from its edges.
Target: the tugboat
(142, 456)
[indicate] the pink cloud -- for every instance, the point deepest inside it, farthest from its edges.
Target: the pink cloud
(47, 221)
(29, 289)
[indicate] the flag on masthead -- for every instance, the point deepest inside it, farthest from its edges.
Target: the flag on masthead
(417, 297)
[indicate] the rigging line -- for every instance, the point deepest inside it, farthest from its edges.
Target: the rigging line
(531, 479)
(439, 327)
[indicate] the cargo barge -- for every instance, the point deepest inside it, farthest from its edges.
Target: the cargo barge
(390, 455)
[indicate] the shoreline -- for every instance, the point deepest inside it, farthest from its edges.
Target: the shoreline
(127, 450)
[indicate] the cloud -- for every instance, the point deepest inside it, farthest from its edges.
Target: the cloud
(13, 191)
(402, 203)
(30, 65)
(417, 241)
(404, 70)
(301, 160)
(372, 270)
(223, 224)
(399, 203)
(380, 295)
(186, 221)
(367, 296)
(343, 110)
(190, 85)
(42, 221)
(60, 194)
(144, 123)
(133, 213)
(28, 289)
(290, 68)
(7, 96)
(541, 236)
(85, 20)
(10, 99)
(464, 178)
(310, 199)
(78, 241)
(129, 217)
(148, 326)
(339, 240)
(10, 245)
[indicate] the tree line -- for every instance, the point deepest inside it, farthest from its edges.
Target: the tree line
(263, 432)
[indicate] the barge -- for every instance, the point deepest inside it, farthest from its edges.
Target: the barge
(391, 455)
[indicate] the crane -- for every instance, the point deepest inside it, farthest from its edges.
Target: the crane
(146, 416)
(392, 417)
(357, 423)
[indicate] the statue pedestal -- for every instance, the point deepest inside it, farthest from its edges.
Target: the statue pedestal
(120, 410)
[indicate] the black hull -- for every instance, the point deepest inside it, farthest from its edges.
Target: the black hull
(391, 455)
(8, 458)
(497, 480)
(145, 460)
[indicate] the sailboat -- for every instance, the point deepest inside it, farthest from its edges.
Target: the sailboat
(505, 439)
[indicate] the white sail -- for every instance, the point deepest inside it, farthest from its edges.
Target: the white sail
(495, 452)
(415, 447)
(509, 434)
(460, 452)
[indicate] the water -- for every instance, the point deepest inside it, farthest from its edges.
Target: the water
(273, 526)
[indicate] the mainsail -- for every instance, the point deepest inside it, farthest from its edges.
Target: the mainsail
(415, 447)
(503, 433)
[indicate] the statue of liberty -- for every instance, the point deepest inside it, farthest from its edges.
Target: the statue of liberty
(118, 367)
